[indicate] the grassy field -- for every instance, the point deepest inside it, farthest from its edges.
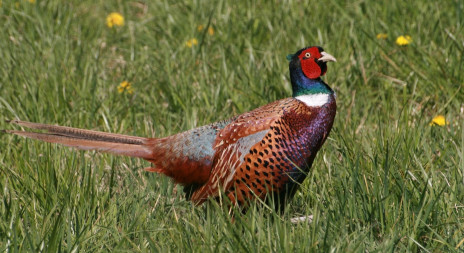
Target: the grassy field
(386, 180)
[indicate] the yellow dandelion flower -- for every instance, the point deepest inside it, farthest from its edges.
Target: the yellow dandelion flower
(125, 86)
(438, 120)
(191, 42)
(32, 1)
(17, 5)
(403, 40)
(382, 36)
(114, 19)
(200, 28)
(211, 31)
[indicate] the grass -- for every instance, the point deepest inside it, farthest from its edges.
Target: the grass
(384, 181)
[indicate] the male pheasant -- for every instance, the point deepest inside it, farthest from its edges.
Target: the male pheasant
(263, 153)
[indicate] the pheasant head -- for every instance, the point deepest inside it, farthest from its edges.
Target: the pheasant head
(307, 66)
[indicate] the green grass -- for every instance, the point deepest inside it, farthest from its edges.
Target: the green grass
(384, 181)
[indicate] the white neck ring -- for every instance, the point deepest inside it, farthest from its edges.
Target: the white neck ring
(314, 100)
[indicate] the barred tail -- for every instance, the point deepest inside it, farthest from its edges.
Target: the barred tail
(86, 139)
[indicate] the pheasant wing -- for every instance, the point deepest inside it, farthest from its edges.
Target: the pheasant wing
(234, 142)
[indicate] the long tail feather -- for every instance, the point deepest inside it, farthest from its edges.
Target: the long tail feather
(87, 139)
(81, 133)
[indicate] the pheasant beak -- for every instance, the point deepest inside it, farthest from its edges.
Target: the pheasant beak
(326, 57)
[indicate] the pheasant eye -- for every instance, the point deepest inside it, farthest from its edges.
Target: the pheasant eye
(307, 55)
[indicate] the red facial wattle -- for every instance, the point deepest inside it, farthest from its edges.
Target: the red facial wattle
(309, 66)
(311, 69)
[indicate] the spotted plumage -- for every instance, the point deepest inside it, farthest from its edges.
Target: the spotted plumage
(263, 153)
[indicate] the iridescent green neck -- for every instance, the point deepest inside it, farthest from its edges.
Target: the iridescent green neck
(301, 85)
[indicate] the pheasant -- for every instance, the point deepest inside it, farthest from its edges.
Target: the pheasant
(262, 154)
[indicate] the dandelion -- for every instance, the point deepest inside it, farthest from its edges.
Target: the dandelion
(403, 40)
(191, 42)
(114, 19)
(382, 36)
(438, 120)
(210, 31)
(125, 86)
(32, 1)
